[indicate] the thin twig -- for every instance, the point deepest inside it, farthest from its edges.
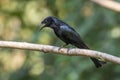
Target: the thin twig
(57, 50)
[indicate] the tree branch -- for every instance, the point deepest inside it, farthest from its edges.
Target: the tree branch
(57, 50)
(113, 5)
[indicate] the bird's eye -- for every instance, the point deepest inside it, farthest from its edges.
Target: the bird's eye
(48, 21)
(45, 21)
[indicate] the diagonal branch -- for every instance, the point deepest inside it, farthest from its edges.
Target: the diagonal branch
(62, 51)
(111, 4)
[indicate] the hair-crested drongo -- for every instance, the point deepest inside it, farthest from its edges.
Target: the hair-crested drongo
(67, 34)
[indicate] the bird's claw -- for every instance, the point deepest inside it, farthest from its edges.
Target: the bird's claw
(62, 46)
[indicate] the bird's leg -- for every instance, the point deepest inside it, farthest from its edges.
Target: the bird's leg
(63, 46)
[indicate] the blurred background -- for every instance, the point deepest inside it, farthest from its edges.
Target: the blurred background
(99, 27)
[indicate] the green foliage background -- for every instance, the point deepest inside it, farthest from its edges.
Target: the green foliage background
(99, 27)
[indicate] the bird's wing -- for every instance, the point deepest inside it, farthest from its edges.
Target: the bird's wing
(72, 37)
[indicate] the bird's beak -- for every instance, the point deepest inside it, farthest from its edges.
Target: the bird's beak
(42, 25)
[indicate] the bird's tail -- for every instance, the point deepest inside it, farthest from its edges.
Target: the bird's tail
(97, 62)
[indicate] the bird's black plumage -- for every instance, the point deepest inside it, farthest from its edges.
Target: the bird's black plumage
(68, 35)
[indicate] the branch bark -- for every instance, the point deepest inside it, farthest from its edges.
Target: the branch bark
(57, 50)
(113, 5)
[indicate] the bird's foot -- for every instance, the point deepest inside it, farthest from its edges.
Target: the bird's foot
(68, 50)
(62, 46)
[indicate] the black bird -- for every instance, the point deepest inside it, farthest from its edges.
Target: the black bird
(67, 34)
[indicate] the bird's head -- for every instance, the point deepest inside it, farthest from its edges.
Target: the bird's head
(48, 22)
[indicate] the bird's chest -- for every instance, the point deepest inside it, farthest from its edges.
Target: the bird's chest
(58, 32)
